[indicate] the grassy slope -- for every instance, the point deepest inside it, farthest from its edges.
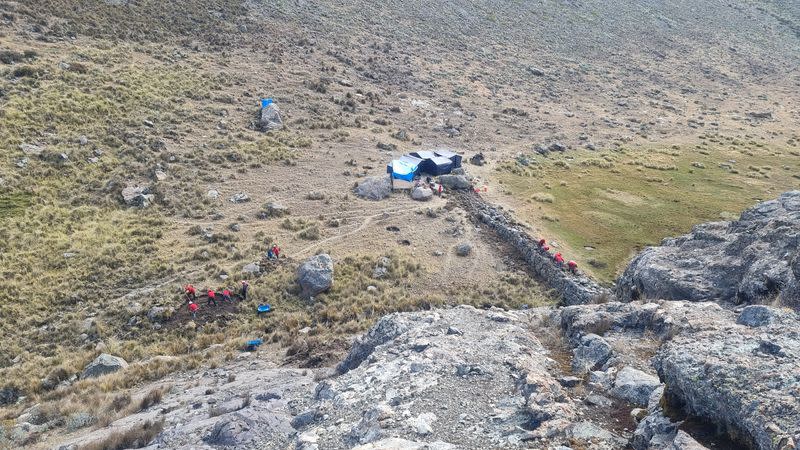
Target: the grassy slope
(619, 202)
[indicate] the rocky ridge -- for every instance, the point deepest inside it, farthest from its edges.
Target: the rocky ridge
(755, 259)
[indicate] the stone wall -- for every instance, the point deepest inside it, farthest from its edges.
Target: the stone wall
(574, 289)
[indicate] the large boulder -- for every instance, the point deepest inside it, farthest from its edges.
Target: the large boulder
(422, 193)
(315, 275)
(270, 118)
(455, 182)
(374, 188)
(745, 261)
(137, 196)
(103, 365)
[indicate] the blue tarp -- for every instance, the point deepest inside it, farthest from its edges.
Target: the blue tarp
(404, 170)
(265, 102)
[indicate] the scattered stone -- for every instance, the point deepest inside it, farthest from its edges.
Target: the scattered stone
(241, 197)
(478, 159)
(463, 249)
(213, 194)
(760, 114)
(275, 209)
(570, 381)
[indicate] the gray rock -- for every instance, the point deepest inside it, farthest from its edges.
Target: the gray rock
(270, 118)
(570, 381)
(592, 352)
(374, 188)
(422, 194)
(137, 196)
(232, 431)
(31, 150)
(275, 209)
(241, 197)
(160, 313)
(634, 386)
(455, 182)
(8, 395)
(682, 441)
(315, 275)
(103, 365)
(746, 261)
(755, 316)
(251, 268)
(463, 249)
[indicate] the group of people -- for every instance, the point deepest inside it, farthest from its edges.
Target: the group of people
(274, 252)
(572, 266)
(211, 294)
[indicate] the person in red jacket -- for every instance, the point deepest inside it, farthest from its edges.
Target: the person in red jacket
(573, 266)
(276, 251)
(212, 297)
(226, 296)
(191, 292)
(542, 242)
(193, 309)
(558, 258)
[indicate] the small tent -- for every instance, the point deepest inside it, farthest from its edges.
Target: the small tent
(454, 157)
(424, 154)
(436, 165)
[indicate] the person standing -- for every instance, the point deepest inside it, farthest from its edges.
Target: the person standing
(226, 296)
(212, 297)
(245, 287)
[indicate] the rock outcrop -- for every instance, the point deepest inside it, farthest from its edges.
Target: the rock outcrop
(458, 378)
(736, 371)
(573, 289)
(751, 260)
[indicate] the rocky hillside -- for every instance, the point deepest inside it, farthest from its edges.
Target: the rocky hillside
(134, 161)
(755, 259)
(668, 374)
